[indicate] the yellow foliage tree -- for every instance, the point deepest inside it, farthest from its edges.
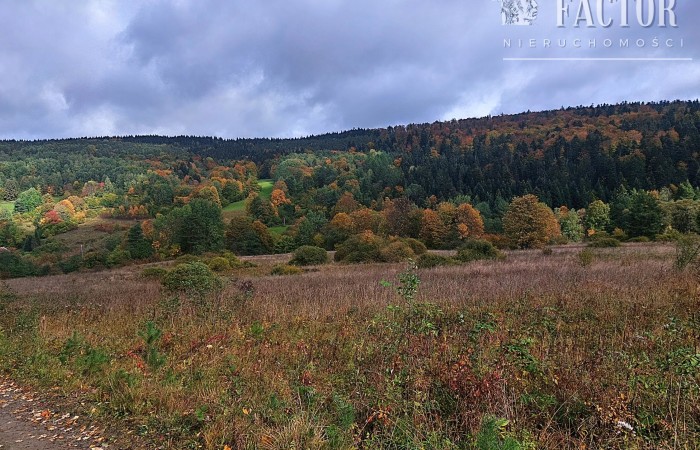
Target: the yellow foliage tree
(529, 223)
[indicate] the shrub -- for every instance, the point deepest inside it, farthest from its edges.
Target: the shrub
(396, 252)
(585, 257)
(493, 434)
(286, 269)
(219, 264)
(417, 246)
(95, 259)
(187, 259)
(367, 247)
(559, 240)
(154, 272)
(117, 257)
(71, 264)
(605, 242)
(192, 279)
(13, 265)
(687, 251)
(233, 260)
(477, 249)
(498, 240)
(360, 248)
(308, 255)
(430, 260)
(58, 228)
(670, 236)
(640, 239)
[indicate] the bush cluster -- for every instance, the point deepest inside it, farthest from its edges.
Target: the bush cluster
(286, 269)
(605, 242)
(368, 248)
(309, 255)
(477, 249)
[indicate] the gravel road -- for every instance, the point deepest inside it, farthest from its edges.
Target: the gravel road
(26, 423)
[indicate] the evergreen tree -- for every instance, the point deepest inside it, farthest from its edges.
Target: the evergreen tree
(620, 209)
(11, 190)
(136, 243)
(645, 215)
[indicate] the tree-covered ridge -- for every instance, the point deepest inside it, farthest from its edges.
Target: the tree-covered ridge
(566, 157)
(524, 181)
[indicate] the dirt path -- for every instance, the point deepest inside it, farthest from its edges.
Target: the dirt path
(26, 423)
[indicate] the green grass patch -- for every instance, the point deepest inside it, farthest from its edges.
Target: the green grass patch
(239, 207)
(266, 188)
(7, 206)
(278, 230)
(235, 207)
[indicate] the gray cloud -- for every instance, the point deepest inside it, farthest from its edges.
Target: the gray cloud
(290, 68)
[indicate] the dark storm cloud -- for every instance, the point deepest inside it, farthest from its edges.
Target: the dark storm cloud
(283, 68)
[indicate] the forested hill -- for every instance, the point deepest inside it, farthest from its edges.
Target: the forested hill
(566, 157)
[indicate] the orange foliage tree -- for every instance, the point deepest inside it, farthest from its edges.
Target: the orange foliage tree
(469, 222)
(433, 231)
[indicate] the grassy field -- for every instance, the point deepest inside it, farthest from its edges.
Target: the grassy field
(7, 206)
(537, 351)
(238, 207)
(278, 230)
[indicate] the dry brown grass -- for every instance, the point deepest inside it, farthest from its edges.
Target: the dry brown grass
(589, 328)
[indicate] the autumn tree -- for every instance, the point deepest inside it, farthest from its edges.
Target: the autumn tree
(447, 212)
(278, 198)
(366, 219)
(209, 193)
(469, 222)
(338, 229)
(264, 235)
(281, 185)
(401, 217)
(346, 204)
(528, 223)
(433, 231)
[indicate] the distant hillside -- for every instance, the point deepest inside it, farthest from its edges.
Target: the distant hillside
(567, 157)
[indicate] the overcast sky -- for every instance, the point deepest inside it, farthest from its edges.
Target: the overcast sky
(283, 68)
